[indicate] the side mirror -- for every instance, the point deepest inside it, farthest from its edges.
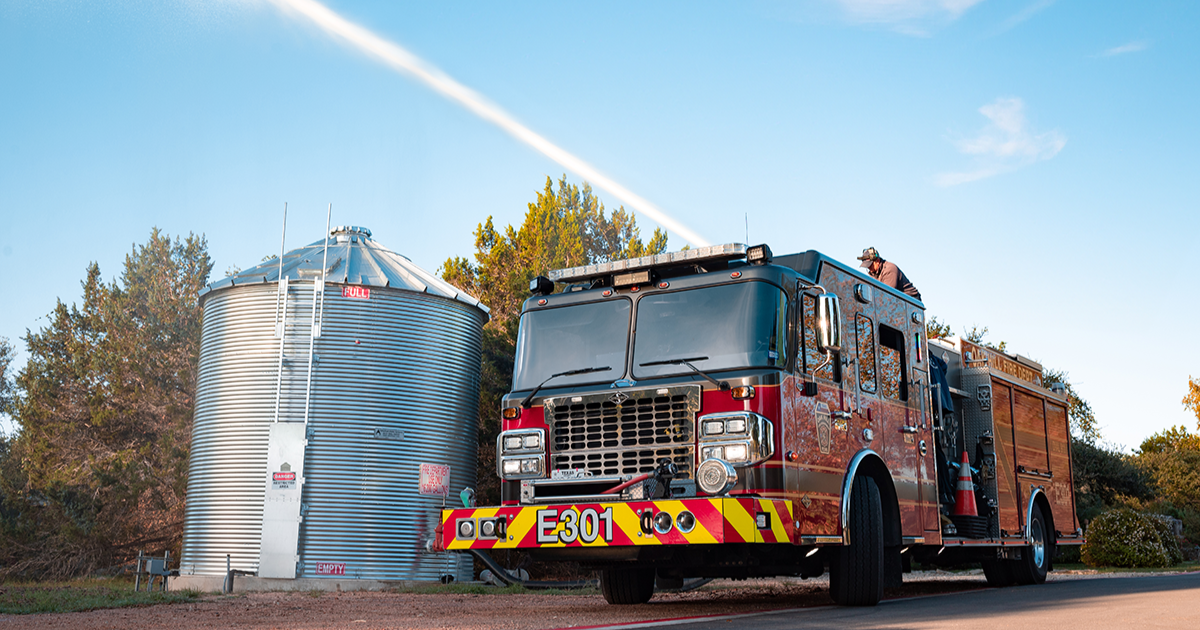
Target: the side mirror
(829, 322)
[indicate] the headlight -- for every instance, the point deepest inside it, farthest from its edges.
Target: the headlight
(521, 454)
(742, 438)
(736, 453)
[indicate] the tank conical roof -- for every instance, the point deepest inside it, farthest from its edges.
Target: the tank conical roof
(354, 258)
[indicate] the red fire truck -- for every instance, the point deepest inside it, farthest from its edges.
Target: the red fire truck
(723, 412)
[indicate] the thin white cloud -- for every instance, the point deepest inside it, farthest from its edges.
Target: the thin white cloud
(913, 17)
(1024, 14)
(1006, 143)
(1131, 47)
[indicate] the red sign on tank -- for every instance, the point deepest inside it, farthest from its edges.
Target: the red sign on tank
(361, 293)
(331, 568)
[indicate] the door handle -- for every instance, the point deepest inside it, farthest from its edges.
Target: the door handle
(908, 429)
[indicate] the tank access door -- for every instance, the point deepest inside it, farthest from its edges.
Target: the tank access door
(277, 556)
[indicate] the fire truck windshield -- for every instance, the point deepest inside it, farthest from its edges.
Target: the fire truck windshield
(730, 326)
(564, 339)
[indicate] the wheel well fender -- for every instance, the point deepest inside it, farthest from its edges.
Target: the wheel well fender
(1038, 498)
(868, 463)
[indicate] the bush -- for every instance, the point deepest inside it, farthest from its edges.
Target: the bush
(1166, 534)
(1124, 538)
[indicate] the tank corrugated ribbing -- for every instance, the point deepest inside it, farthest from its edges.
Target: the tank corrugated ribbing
(400, 360)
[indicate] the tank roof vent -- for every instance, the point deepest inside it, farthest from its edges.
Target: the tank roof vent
(350, 230)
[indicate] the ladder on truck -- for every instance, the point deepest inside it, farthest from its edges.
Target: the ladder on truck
(299, 314)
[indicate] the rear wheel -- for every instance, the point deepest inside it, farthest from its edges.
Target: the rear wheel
(856, 570)
(1035, 558)
(998, 573)
(623, 587)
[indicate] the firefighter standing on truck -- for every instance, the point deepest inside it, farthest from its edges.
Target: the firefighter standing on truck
(887, 272)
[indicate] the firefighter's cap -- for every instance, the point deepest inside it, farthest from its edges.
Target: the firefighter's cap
(869, 256)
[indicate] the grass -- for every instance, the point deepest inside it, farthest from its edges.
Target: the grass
(1192, 565)
(82, 595)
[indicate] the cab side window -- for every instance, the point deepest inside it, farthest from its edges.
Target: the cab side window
(864, 334)
(892, 363)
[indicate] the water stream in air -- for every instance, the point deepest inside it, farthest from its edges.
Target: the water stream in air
(405, 62)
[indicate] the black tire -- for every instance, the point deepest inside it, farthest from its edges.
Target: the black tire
(1035, 558)
(999, 573)
(623, 587)
(856, 571)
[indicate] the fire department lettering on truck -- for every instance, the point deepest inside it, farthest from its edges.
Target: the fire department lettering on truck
(585, 525)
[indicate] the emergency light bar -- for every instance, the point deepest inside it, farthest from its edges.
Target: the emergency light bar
(729, 251)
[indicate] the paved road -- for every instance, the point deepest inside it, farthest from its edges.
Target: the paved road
(1168, 601)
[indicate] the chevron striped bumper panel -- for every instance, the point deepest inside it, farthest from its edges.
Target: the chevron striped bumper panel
(676, 522)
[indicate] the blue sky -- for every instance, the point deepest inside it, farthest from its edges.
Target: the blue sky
(1031, 165)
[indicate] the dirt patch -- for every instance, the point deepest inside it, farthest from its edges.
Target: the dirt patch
(521, 611)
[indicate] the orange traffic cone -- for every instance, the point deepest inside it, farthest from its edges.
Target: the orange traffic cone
(964, 492)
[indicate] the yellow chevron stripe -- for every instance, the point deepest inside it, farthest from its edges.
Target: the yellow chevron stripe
(627, 521)
(778, 527)
(741, 520)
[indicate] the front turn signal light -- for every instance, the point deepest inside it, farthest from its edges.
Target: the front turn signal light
(744, 392)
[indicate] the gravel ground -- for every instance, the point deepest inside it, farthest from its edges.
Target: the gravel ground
(523, 611)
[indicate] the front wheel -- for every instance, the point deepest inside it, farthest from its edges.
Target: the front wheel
(623, 587)
(856, 570)
(1035, 558)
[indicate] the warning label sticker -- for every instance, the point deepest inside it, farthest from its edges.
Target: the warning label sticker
(435, 480)
(283, 480)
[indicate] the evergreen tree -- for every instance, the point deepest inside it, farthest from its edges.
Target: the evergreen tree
(103, 415)
(564, 227)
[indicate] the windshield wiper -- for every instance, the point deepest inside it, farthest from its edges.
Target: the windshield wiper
(721, 385)
(525, 403)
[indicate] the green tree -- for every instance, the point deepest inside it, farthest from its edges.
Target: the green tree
(564, 227)
(1192, 400)
(1105, 478)
(7, 353)
(977, 334)
(104, 410)
(1170, 459)
(936, 329)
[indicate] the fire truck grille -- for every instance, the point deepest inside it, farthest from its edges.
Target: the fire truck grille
(624, 432)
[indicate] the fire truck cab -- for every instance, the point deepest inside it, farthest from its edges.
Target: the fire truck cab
(723, 412)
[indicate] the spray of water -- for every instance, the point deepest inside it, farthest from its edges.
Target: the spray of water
(407, 63)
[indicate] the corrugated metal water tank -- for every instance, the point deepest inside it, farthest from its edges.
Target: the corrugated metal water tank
(394, 385)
